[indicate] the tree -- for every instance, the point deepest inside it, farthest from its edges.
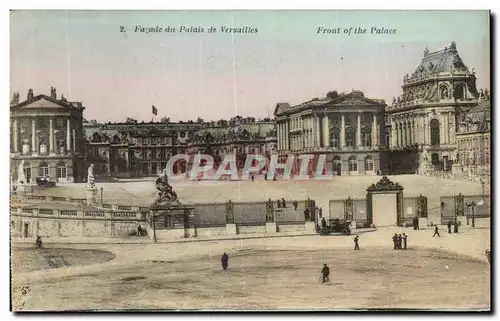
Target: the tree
(131, 120)
(165, 120)
(200, 120)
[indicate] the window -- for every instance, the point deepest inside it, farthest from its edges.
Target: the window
(434, 128)
(61, 170)
(145, 141)
(353, 164)
(459, 92)
(369, 164)
(435, 158)
(44, 170)
(154, 140)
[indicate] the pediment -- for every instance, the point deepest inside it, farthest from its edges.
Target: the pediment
(353, 100)
(41, 102)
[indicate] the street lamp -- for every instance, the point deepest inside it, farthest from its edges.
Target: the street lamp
(152, 215)
(473, 205)
(101, 196)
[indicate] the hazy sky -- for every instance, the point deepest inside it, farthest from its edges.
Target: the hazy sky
(189, 75)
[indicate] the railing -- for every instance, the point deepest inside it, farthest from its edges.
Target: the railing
(124, 214)
(45, 211)
(69, 213)
(93, 214)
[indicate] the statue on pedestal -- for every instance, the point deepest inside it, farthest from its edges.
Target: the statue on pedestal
(269, 211)
(229, 212)
(21, 178)
(455, 156)
(90, 176)
(166, 193)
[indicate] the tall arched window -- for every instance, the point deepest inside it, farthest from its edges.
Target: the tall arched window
(335, 134)
(61, 170)
(44, 170)
(27, 172)
(353, 164)
(443, 92)
(369, 164)
(434, 128)
(459, 92)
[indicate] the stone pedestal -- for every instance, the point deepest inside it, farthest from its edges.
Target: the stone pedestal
(271, 228)
(91, 195)
(310, 226)
(171, 221)
(231, 229)
(423, 222)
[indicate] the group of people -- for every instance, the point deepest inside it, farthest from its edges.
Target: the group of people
(453, 223)
(400, 241)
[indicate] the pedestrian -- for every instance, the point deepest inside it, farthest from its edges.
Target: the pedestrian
(400, 241)
(326, 273)
(414, 224)
(265, 176)
(418, 223)
(274, 178)
(307, 214)
(225, 261)
(356, 244)
(320, 212)
(295, 204)
(436, 231)
(139, 231)
(456, 226)
(278, 203)
(449, 227)
(283, 203)
(395, 241)
(253, 178)
(323, 223)
(405, 237)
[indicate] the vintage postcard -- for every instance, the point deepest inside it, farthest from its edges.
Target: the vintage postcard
(250, 160)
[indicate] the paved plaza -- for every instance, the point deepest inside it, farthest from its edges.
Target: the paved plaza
(188, 275)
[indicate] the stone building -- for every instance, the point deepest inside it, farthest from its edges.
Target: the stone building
(46, 132)
(239, 136)
(473, 152)
(348, 128)
(422, 121)
(136, 149)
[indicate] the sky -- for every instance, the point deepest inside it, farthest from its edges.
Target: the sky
(118, 72)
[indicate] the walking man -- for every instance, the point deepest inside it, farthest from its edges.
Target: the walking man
(449, 227)
(225, 261)
(400, 242)
(326, 273)
(405, 237)
(456, 226)
(356, 245)
(436, 231)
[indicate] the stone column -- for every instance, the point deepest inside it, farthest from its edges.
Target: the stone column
(278, 135)
(33, 135)
(451, 118)
(393, 134)
(51, 135)
(410, 131)
(374, 131)
(422, 130)
(318, 131)
(358, 132)
(287, 137)
(446, 129)
(342, 131)
(441, 129)
(15, 134)
(74, 140)
(68, 135)
(326, 131)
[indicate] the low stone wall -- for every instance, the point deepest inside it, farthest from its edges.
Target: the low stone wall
(291, 228)
(45, 222)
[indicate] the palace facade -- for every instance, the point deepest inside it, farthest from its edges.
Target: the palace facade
(422, 122)
(139, 149)
(348, 128)
(473, 152)
(47, 134)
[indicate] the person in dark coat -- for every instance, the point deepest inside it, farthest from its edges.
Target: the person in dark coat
(253, 178)
(283, 203)
(323, 223)
(326, 273)
(225, 261)
(449, 227)
(356, 244)
(295, 204)
(400, 241)
(417, 223)
(455, 226)
(395, 241)
(436, 231)
(405, 238)
(265, 176)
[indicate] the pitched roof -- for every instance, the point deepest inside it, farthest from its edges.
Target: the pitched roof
(354, 98)
(53, 103)
(444, 60)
